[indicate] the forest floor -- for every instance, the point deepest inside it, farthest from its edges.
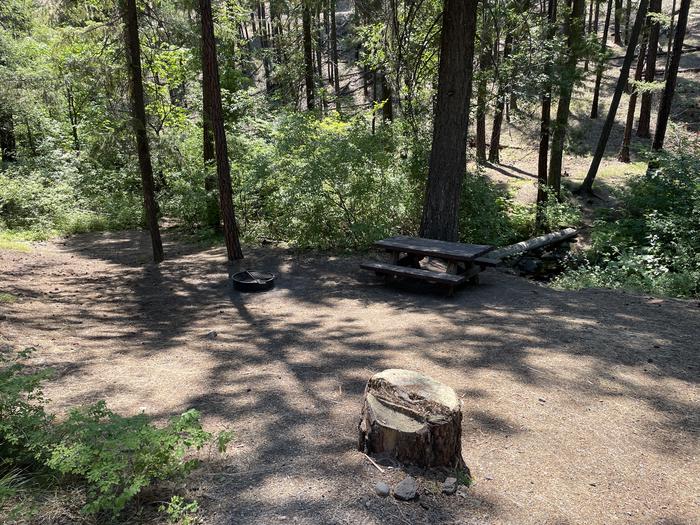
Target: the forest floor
(579, 407)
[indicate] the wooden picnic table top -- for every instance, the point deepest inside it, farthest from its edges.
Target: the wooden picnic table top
(455, 251)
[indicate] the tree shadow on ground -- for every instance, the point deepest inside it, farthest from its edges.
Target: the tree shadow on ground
(286, 369)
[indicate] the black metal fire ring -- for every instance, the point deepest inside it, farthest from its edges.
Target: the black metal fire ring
(253, 281)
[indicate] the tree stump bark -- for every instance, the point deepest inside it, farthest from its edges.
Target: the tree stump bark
(412, 418)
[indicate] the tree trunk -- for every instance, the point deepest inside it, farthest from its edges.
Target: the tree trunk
(138, 118)
(495, 144)
(210, 67)
(484, 56)
(649, 73)
(617, 36)
(213, 218)
(628, 14)
(574, 32)
(589, 29)
(601, 62)
(670, 38)
(334, 55)
(545, 120)
(308, 56)
(448, 156)
(412, 418)
(8, 144)
(624, 155)
(73, 117)
(587, 185)
(669, 88)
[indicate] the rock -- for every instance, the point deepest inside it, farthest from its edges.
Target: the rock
(382, 489)
(211, 335)
(406, 489)
(449, 486)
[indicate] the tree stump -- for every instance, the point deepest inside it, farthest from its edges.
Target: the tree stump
(412, 418)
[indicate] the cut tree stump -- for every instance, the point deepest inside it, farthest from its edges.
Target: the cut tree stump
(412, 418)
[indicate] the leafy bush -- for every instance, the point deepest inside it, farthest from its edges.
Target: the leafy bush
(115, 457)
(652, 242)
(325, 183)
(23, 422)
(118, 456)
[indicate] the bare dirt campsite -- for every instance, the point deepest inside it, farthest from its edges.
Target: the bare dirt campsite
(349, 262)
(579, 407)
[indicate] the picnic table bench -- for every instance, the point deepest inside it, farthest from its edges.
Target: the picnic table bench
(462, 262)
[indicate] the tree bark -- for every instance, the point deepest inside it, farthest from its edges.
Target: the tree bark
(545, 120)
(210, 67)
(334, 54)
(308, 56)
(448, 155)
(8, 144)
(649, 73)
(484, 56)
(671, 77)
(617, 37)
(574, 32)
(589, 30)
(624, 155)
(495, 144)
(587, 185)
(601, 62)
(138, 118)
(669, 43)
(213, 218)
(73, 117)
(412, 418)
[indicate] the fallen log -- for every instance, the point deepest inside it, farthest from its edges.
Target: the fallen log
(534, 243)
(412, 418)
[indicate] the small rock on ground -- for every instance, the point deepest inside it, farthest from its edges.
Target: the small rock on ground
(449, 486)
(382, 489)
(406, 489)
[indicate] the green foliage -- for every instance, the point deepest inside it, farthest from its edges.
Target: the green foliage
(118, 456)
(23, 422)
(652, 242)
(115, 457)
(180, 511)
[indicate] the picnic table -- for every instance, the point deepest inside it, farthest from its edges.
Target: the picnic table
(460, 262)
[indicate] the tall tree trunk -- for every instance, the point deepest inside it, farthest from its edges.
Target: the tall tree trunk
(574, 32)
(624, 155)
(628, 14)
(649, 73)
(484, 56)
(670, 86)
(334, 55)
(495, 144)
(138, 118)
(210, 69)
(545, 120)
(213, 218)
(589, 29)
(670, 38)
(617, 36)
(448, 156)
(308, 56)
(587, 185)
(72, 117)
(601, 62)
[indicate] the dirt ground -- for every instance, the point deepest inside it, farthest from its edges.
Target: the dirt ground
(579, 407)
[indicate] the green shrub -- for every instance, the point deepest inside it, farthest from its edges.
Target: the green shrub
(114, 457)
(651, 243)
(118, 456)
